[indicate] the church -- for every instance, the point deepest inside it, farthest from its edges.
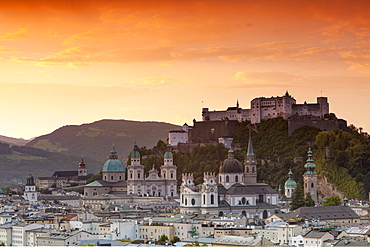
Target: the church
(156, 184)
(234, 190)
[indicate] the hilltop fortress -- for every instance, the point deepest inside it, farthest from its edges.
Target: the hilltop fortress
(219, 126)
(266, 108)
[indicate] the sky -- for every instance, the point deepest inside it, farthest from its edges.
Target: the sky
(74, 62)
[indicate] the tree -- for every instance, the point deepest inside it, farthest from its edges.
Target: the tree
(94, 177)
(163, 238)
(332, 201)
(308, 201)
(175, 239)
(298, 199)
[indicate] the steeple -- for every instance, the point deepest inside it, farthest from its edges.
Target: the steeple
(310, 177)
(310, 166)
(250, 164)
(250, 154)
(237, 103)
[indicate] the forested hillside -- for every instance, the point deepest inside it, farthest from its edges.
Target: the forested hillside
(95, 140)
(348, 168)
(17, 162)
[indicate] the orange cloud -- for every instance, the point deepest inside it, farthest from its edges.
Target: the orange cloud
(156, 81)
(20, 34)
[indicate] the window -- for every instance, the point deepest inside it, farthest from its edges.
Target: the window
(212, 199)
(193, 201)
(227, 178)
(236, 178)
(138, 175)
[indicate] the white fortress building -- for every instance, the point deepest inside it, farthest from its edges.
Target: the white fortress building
(266, 108)
(233, 190)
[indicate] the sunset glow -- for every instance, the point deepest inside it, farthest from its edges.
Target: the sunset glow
(74, 62)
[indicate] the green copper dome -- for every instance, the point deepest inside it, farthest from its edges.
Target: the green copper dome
(310, 166)
(135, 154)
(113, 164)
(290, 182)
(168, 154)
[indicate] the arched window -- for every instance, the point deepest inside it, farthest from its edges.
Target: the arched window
(243, 200)
(193, 201)
(253, 170)
(204, 199)
(131, 175)
(212, 199)
(111, 177)
(182, 199)
(247, 169)
(171, 175)
(138, 175)
(236, 179)
(220, 179)
(105, 177)
(186, 201)
(120, 177)
(312, 185)
(227, 178)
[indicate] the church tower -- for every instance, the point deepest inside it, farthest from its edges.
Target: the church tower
(135, 174)
(82, 170)
(250, 164)
(310, 177)
(290, 185)
(209, 190)
(30, 193)
(168, 173)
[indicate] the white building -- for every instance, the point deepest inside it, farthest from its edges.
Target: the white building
(266, 108)
(30, 193)
(19, 236)
(233, 190)
(124, 229)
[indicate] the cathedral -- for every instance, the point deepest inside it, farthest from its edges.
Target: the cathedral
(114, 174)
(233, 190)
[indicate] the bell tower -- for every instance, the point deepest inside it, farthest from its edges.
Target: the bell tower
(250, 164)
(310, 177)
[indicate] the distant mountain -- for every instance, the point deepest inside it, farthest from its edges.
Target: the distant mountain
(16, 162)
(95, 139)
(13, 141)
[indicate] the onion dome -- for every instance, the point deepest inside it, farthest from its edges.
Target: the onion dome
(310, 166)
(168, 154)
(82, 163)
(231, 165)
(113, 164)
(135, 153)
(290, 182)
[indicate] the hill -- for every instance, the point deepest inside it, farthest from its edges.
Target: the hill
(16, 162)
(13, 141)
(94, 140)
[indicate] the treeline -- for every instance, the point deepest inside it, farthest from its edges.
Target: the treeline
(348, 168)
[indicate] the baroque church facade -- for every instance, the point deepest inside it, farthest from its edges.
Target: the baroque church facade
(114, 174)
(233, 190)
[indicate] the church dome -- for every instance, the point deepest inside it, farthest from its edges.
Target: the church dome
(168, 154)
(290, 182)
(135, 153)
(231, 165)
(113, 164)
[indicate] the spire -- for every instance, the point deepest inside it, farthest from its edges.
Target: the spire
(168, 154)
(82, 163)
(310, 166)
(286, 93)
(237, 103)
(250, 146)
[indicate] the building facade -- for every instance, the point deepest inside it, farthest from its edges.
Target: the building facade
(266, 108)
(156, 183)
(233, 190)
